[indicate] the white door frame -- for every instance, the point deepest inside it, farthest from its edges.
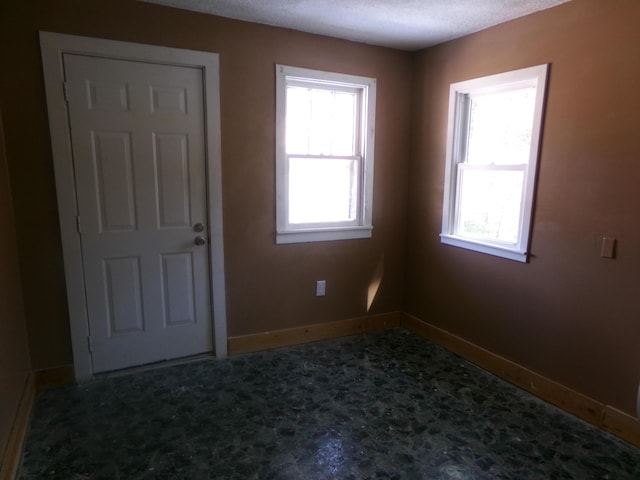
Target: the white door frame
(53, 46)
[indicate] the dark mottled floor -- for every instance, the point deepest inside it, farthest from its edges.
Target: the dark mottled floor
(377, 406)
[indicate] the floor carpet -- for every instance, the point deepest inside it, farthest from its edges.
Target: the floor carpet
(387, 405)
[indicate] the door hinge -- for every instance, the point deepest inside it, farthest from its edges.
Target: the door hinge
(65, 91)
(89, 344)
(78, 224)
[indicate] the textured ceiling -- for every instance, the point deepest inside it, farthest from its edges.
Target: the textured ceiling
(402, 24)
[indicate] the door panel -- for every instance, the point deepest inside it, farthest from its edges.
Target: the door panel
(172, 165)
(137, 133)
(112, 158)
(124, 295)
(179, 295)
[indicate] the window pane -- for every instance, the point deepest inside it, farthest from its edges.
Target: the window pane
(322, 190)
(298, 120)
(344, 124)
(320, 122)
(500, 126)
(320, 134)
(490, 204)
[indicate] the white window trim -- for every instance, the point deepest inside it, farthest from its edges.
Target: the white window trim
(537, 76)
(360, 228)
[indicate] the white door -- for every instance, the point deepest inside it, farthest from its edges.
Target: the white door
(138, 142)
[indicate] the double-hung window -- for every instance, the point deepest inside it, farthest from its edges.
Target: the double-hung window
(492, 152)
(325, 124)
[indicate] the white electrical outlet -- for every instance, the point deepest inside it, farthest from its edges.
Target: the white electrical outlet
(321, 288)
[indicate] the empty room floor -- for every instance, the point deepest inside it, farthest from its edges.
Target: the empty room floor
(387, 405)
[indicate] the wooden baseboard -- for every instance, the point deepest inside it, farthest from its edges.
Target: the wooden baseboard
(621, 424)
(596, 413)
(53, 377)
(312, 333)
(11, 458)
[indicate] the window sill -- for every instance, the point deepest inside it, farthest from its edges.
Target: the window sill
(477, 246)
(323, 235)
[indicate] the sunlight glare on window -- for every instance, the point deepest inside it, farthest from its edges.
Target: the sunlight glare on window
(500, 127)
(490, 203)
(322, 190)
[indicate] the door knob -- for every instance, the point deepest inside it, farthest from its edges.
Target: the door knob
(198, 227)
(200, 241)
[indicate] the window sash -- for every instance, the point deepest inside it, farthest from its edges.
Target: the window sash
(457, 215)
(357, 208)
(358, 146)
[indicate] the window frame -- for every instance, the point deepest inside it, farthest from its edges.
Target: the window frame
(361, 226)
(456, 154)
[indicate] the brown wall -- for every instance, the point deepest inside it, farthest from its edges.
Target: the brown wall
(568, 314)
(14, 354)
(268, 286)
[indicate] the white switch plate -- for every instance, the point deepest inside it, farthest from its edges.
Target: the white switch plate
(608, 249)
(321, 288)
